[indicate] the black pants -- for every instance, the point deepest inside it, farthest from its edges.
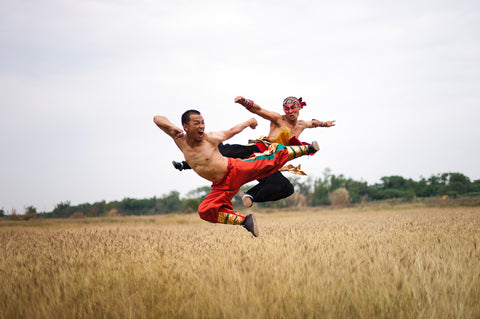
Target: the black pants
(270, 188)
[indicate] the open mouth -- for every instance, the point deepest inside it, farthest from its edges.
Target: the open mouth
(200, 134)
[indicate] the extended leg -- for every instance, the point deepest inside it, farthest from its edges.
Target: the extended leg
(261, 165)
(276, 186)
(297, 151)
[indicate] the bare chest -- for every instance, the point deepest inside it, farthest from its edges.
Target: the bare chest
(295, 128)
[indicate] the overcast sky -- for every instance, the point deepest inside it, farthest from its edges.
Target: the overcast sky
(80, 82)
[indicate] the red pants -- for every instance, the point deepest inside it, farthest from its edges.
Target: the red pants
(239, 172)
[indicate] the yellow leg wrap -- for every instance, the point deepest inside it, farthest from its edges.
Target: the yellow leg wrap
(297, 151)
(230, 218)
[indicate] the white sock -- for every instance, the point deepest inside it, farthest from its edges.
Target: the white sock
(246, 195)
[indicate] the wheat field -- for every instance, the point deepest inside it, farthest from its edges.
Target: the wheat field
(380, 262)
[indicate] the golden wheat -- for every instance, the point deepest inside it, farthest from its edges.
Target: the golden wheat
(412, 262)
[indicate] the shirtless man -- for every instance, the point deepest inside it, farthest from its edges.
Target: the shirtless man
(291, 107)
(227, 175)
(276, 186)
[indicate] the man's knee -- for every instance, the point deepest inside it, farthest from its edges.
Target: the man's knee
(284, 187)
(208, 214)
(281, 185)
(289, 189)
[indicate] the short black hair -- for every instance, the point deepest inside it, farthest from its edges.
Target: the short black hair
(186, 116)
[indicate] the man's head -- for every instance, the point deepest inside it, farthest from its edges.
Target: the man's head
(193, 124)
(292, 106)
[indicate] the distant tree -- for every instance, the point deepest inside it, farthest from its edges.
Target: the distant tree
(63, 209)
(395, 181)
(302, 185)
(474, 187)
(457, 182)
(93, 211)
(199, 192)
(320, 193)
(2, 213)
(30, 213)
(421, 188)
(434, 179)
(97, 209)
(390, 193)
(172, 201)
(191, 204)
(435, 186)
(132, 206)
(409, 194)
(321, 187)
(169, 203)
(444, 178)
(309, 191)
(30, 210)
(337, 182)
(357, 190)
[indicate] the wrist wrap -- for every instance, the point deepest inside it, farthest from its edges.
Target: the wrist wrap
(248, 104)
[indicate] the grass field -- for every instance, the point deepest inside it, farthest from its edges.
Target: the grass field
(380, 262)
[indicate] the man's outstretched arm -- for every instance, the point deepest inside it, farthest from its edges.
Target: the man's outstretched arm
(256, 109)
(225, 135)
(316, 123)
(165, 125)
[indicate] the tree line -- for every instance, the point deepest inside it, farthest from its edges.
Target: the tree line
(326, 190)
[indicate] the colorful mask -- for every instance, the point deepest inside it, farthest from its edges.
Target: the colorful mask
(291, 100)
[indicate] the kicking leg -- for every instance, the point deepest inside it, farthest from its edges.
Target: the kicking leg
(297, 151)
(275, 186)
(261, 165)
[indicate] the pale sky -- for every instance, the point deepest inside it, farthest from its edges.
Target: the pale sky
(80, 82)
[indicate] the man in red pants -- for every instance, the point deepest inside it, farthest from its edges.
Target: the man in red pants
(227, 175)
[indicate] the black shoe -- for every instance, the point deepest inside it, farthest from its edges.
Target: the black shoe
(251, 225)
(178, 165)
(313, 147)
